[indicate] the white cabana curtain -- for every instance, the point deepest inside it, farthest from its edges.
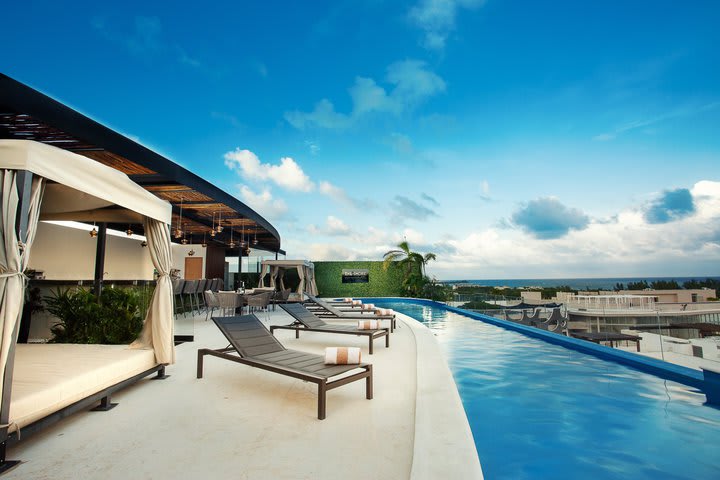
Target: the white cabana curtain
(157, 332)
(311, 285)
(14, 257)
(264, 271)
(301, 274)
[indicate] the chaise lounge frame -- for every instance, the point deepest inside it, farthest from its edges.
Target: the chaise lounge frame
(265, 352)
(307, 321)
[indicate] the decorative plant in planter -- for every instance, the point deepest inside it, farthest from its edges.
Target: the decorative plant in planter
(116, 319)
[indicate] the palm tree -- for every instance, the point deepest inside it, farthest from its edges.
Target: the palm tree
(412, 263)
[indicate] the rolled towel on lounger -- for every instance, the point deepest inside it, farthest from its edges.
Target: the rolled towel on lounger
(368, 324)
(384, 311)
(356, 303)
(368, 306)
(342, 355)
(347, 300)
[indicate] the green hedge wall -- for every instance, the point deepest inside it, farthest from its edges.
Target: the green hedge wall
(328, 276)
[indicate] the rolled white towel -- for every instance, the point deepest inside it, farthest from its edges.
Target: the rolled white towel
(342, 355)
(384, 311)
(368, 324)
(368, 306)
(356, 303)
(347, 300)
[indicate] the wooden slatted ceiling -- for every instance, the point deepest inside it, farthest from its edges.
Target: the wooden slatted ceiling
(27, 128)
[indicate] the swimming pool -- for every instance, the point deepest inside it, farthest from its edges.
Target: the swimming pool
(539, 410)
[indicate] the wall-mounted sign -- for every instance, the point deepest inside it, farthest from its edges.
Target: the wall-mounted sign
(355, 276)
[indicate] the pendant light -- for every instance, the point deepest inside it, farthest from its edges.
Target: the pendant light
(219, 227)
(179, 232)
(232, 243)
(212, 230)
(93, 233)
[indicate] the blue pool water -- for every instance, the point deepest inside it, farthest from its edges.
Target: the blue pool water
(542, 411)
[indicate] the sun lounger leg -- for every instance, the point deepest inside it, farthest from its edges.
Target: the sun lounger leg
(297, 333)
(369, 384)
(371, 343)
(201, 356)
(322, 394)
(387, 340)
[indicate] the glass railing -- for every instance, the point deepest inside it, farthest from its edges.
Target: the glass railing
(689, 337)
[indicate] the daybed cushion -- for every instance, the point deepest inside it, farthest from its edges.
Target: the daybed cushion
(49, 377)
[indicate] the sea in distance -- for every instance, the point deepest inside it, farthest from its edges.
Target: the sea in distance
(574, 283)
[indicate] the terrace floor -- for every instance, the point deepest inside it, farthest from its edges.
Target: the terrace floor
(245, 423)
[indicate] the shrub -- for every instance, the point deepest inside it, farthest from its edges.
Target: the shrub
(115, 320)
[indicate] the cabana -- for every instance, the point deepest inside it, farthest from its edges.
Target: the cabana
(277, 268)
(44, 383)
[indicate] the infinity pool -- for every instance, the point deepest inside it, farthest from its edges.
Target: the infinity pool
(542, 411)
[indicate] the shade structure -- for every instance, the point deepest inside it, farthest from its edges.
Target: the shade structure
(82, 187)
(276, 269)
(77, 187)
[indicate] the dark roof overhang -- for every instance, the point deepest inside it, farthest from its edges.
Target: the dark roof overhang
(27, 114)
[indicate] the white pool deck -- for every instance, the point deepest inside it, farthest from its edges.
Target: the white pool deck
(245, 423)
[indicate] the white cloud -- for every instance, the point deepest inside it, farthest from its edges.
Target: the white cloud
(287, 174)
(485, 190)
(323, 115)
(626, 246)
(436, 18)
(339, 195)
(412, 83)
(263, 203)
(335, 226)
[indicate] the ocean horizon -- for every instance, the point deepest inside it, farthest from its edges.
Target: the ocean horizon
(574, 283)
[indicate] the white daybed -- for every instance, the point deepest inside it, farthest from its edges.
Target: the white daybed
(43, 383)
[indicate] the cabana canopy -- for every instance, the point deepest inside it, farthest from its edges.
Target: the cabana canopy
(277, 268)
(84, 190)
(76, 188)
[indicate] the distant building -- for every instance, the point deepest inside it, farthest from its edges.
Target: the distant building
(611, 311)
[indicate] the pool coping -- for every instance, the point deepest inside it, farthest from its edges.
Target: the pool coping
(443, 446)
(669, 371)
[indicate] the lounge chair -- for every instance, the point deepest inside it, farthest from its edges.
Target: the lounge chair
(307, 321)
(255, 346)
(328, 310)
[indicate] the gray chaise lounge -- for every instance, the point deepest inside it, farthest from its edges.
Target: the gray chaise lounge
(328, 310)
(256, 347)
(309, 322)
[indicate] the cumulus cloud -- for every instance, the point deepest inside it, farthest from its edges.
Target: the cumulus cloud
(436, 18)
(671, 205)
(412, 83)
(404, 209)
(334, 227)
(547, 218)
(287, 174)
(264, 203)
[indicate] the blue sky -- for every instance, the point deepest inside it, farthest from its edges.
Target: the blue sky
(514, 139)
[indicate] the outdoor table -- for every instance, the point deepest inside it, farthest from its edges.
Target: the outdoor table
(598, 337)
